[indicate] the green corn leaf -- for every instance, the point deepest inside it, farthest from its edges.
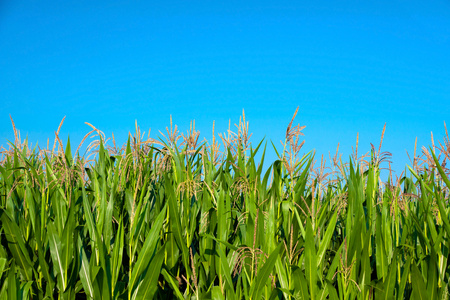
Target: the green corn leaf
(107, 228)
(282, 274)
(101, 285)
(439, 167)
(404, 278)
(43, 263)
(300, 284)
(227, 274)
(67, 240)
(260, 281)
(148, 286)
(147, 249)
(68, 153)
(88, 214)
(432, 274)
(419, 287)
(16, 245)
(13, 281)
(31, 206)
(2, 265)
(57, 256)
(173, 283)
(390, 281)
(216, 293)
(311, 260)
(96, 275)
(117, 254)
(85, 275)
(24, 290)
(332, 293)
(174, 221)
(381, 256)
(324, 244)
(230, 246)
(335, 263)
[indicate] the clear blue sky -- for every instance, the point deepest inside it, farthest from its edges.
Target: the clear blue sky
(351, 66)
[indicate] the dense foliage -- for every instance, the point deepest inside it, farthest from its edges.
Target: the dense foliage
(178, 218)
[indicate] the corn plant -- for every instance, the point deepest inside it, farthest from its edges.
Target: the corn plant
(179, 218)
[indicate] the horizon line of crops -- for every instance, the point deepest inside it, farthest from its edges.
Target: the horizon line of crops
(179, 218)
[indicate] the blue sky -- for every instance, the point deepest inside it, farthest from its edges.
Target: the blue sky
(351, 66)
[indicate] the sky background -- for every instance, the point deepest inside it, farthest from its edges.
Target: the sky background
(351, 66)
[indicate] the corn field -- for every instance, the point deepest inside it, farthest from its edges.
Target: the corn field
(180, 218)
